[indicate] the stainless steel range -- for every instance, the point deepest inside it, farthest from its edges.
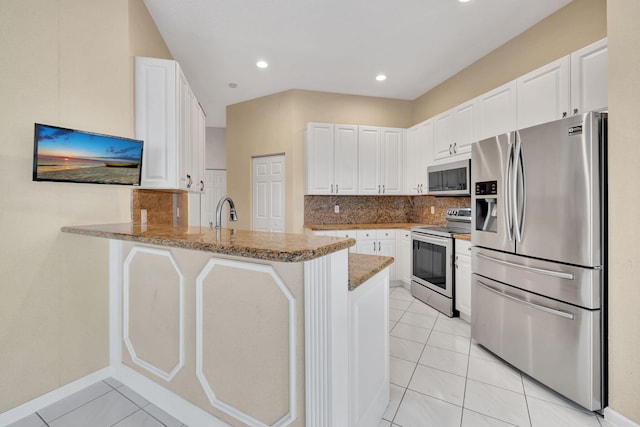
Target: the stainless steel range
(432, 278)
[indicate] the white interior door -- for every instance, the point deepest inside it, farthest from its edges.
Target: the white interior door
(268, 193)
(215, 188)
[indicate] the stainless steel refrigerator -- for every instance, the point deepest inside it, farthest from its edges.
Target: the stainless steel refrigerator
(539, 257)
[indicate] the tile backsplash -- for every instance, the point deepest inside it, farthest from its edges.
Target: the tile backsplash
(379, 209)
(169, 207)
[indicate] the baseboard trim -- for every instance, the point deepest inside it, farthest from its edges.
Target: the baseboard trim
(28, 408)
(618, 419)
(168, 401)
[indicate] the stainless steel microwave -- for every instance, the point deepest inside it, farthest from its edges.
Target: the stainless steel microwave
(450, 179)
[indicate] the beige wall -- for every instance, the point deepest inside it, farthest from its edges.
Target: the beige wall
(624, 231)
(275, 124)
(67, 63)
(578, 24)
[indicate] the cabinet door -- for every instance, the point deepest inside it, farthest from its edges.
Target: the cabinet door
(589, 90)
(366, 246)
(443, 135)
(346, 159)
(464, 127)
(319, 154)
(197, 146)
(403, 256)
(391, 148)
(543, 94)
(369, 160)
(416, 144)
(463, 278)
(155, 121)
(388, 248)
(185, 180)
(497, 111)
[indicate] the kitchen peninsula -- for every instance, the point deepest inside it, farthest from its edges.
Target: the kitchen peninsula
(234, 327)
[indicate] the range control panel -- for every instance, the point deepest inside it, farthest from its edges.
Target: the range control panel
(486, 188)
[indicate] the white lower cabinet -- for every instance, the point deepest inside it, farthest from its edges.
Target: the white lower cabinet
(403, 256)
(369, 351)
(378, 242)
(463, 278)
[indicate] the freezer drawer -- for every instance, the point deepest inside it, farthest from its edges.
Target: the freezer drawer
(576, 285)
(557, 344)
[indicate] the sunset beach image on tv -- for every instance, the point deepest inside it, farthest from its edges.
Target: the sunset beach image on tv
(76, 156)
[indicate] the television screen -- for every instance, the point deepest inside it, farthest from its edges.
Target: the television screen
(76, 156)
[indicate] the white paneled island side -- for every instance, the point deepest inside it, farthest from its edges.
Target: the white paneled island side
(248, 328)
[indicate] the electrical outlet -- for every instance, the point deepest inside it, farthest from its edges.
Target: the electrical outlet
(143, 216)
(433, 210)
(336, 208)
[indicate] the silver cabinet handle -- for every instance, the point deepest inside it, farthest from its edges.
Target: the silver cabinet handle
(336, 188)
(379, 246)
(557, 274)
(378, 188)
(331, 188)
(564, 114)
(455, 147)
(450, 149)
(374, 246)
(201, 185)
(527, 303)
(383, 189)
(575, 111)
(189, 181)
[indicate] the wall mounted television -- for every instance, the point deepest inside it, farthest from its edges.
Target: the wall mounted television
(69, 155)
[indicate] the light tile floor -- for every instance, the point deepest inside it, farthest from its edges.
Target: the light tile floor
(441, 377)
(107, 403)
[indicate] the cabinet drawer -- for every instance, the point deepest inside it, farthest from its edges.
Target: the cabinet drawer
(346, 233)
(385, 234)
(365, 234)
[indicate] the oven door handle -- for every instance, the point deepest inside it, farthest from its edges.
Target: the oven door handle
(442, 241)
(557, 274)
(546, 309)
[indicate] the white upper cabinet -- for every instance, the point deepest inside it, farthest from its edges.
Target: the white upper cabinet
(391, 159)
(418, 155)
(543, 94)
(497, 111)
(171, 123)
(455, 130)
(589, 90)
(331, 156)
(346, 159)
(380, 160)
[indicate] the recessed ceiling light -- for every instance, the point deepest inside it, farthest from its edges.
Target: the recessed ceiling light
(233, 85)
(464, 1)
(262, 64)
(381, 77)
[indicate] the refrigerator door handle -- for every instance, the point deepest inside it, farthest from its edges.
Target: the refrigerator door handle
(557, 274)
(527, 303)
(507, 193)
(514, 190)
(523, 195)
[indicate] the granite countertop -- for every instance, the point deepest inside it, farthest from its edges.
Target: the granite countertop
(466, 237)
(402, 225)
(282, 247)
(363, 267)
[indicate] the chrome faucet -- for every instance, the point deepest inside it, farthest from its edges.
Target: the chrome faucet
(233, 216)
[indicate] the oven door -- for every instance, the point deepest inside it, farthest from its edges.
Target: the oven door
(432, 263)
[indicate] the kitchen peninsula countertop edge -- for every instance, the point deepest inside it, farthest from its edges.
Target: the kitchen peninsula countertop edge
(281, 247)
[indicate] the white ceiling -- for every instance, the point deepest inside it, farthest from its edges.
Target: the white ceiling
(333, 45)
